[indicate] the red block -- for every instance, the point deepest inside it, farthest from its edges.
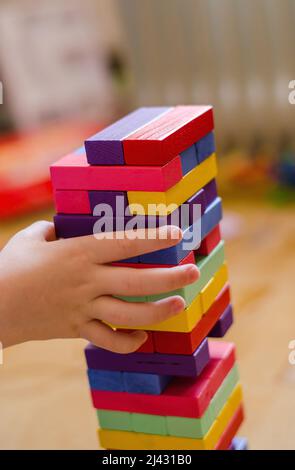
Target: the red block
(231, 430)
(210, 242)
(162, 139)
(72, 202)
(186, 343)
(189, 259)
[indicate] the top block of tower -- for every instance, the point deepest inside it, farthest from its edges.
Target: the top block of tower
(150, 136)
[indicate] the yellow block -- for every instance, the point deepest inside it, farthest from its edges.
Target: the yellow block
(192, 182)
(214, 286)
(127, 440)
(185, 321)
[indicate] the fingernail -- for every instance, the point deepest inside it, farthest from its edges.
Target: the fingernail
(193, 272)
(178, 305)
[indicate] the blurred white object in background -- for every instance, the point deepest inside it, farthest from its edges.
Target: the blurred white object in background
(54, 61)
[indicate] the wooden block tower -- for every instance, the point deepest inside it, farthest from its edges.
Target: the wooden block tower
(180, 390)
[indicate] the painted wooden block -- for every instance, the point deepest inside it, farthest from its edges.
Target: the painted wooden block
(185, 343)
(205, 147)
(72, 172)
(105, 147)
(175, 131)
(126, 440)
(223, 392)
(115, 199)
(149, 424)
(175, 195)
(184, 397)
(211, 217)
(211, 191)
(188, 159)
(106, 380)
(114, 420)
(162, 364)
(231, 429)
(148, 346)
(208, 266)
(210, 242)
(223, 324)
(153, 384)
(186, 320)
(213, 287)
(72, 202)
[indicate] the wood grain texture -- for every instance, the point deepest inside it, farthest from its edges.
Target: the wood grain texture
(174, 132)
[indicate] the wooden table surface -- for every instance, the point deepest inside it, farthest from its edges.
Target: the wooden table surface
(44, 398)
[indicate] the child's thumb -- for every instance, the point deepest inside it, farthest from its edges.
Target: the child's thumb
(41, 231)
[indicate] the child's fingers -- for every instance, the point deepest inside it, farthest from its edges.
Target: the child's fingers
(39, 231)
(135, 314)
(116, 341)
(126, 244)
(136, 282)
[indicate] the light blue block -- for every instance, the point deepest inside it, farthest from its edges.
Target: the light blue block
(239, 443)
(151, 384)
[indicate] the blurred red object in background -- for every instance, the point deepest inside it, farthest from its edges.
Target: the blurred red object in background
(24, 165)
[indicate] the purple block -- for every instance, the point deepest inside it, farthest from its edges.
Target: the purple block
(198, 198)
(223, 324)
(110, 198)
(106, 148)
(210, 192)
(155, 363)
(239, 443)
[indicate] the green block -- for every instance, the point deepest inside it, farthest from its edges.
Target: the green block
(149, 424)
(132, 299)
(221, 396)
(114, 420)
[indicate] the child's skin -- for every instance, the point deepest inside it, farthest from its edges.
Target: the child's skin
(63, 288)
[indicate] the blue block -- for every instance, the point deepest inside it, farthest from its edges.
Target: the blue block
(188, 159)
(152, 384)
(239, 443)
(211, 217)
(205, 147)
(112, 381)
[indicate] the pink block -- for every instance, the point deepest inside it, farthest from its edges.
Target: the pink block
(183, 397)
(72, 202)
(74, 173)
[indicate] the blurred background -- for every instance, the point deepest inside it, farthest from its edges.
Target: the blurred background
(68, 68)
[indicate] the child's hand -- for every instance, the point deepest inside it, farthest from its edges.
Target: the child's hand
(63, 288)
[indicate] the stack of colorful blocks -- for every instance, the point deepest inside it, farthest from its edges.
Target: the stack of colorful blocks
(179, 391)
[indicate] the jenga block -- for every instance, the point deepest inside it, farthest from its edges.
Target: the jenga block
(111, 198)
(188, 159)
(223, 392)
(185, 343)
(162, 364)
(175, 131)
(106, 380)
(239, 443)
(150, 424)
(177, 194)
(213, 287)
(205, 147)
(72, 172)
(130, 440)
(105, 147)
(223, 324)
(211, 217)
(231, 429)
(114, 420)
(185, 397)
(153, 384)
(189, 259)
(210, 242)
(72, 202)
